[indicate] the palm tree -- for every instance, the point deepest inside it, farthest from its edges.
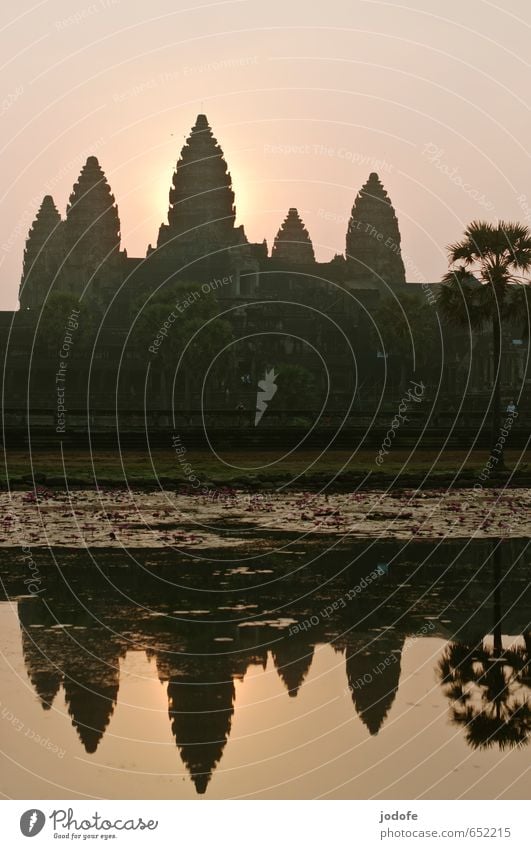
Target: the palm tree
(483, 287)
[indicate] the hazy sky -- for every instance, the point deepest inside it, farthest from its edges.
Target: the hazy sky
(304, 101)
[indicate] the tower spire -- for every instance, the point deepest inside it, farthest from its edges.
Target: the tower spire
(373, 237)
(92, 227)
(201, 197)
(42, 254)
(292, 243)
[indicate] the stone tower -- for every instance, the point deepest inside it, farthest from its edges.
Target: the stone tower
(92, 226)
(292, 243)
(42, 255)
(201, 210)
(373, 238)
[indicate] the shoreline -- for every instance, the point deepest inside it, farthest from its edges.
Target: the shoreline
(360, 482)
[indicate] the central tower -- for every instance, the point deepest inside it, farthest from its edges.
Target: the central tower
(201, 211)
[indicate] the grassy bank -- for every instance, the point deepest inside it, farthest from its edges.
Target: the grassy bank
(256, 470)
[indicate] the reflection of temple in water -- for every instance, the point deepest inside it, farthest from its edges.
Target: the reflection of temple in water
(292, 658)
(200, 705)
(373, 672)
(200, 675)
(201, 715)
(84, 661)
(199, 661)
(91, 690)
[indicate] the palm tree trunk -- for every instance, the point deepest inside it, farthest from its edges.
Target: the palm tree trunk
(496, 389)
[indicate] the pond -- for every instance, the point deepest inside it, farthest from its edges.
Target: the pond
(368, 670)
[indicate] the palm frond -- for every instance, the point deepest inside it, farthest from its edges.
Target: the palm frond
(480, 236)
(462, 252)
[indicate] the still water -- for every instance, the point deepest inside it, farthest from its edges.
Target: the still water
(373, 671)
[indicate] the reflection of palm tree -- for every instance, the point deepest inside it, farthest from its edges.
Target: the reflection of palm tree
(490, 687)
(488, 696)
(524, 657)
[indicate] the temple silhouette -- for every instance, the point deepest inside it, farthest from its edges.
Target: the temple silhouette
(200, 239)
(282, 304)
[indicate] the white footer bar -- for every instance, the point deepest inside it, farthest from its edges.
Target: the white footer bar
(265, 824)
